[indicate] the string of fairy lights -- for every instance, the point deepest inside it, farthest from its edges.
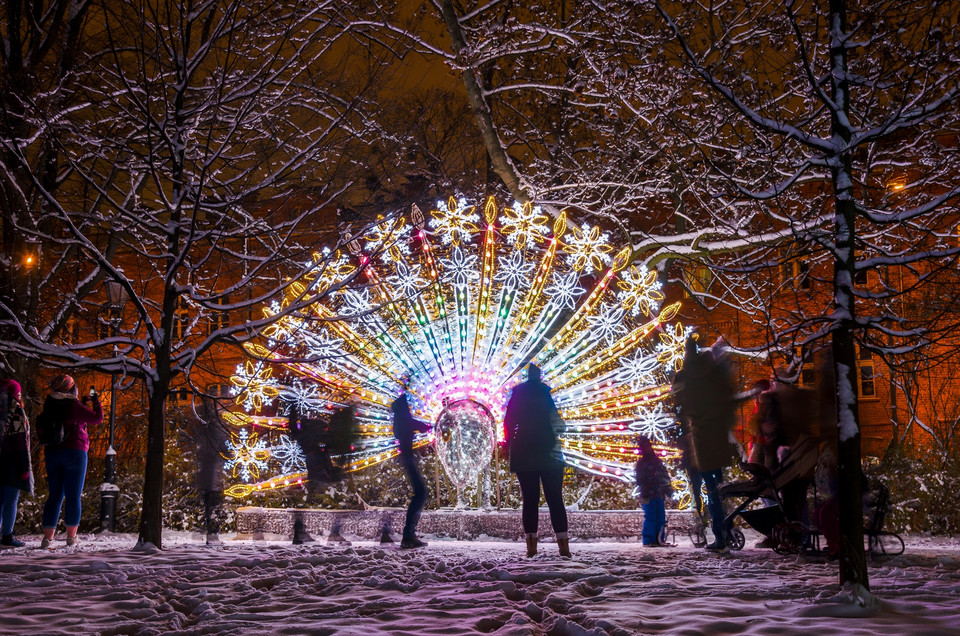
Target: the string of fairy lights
(462, 299)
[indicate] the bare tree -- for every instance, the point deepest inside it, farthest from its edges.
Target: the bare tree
(844, 104)
(200, 155)
(41, 62)
(804, 151)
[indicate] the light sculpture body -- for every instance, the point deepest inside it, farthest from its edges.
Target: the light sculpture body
(463, 300)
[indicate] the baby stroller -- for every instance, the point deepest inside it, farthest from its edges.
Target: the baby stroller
(698, 531)
(772, 520)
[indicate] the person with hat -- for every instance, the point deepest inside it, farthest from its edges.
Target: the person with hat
(66, 462)
(653, 482)
(530, 424)
(16, 469)
(703, 392)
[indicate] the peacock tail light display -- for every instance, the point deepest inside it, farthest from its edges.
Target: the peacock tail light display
(462, 301)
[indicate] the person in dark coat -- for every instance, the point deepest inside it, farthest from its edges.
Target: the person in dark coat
(404, 429)
(66, 463)
(530, 427)
(16, 469)
(653, 481)
(704, 393)
(211, 442)
(695, 479)
(309, 435)
(341, 435)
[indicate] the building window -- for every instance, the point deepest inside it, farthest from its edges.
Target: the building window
(808, 373)
(181, 320)
(218, 391)
(697, 279)
(796, 273)
(220, 319)
(179, 397)
(866, 373)
(71, 330)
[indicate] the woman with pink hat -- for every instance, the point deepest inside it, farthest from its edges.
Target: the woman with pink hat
(66, 462)
(16, 471)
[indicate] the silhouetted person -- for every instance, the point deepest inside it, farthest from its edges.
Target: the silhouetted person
(404, 429)
(16, 467)
(530, 427)
(685, 444)
(309, 435)
(211, 440)
(797, 409)
(704, 393)
(340, 436)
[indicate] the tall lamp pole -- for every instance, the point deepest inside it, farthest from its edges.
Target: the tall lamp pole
(116, 299)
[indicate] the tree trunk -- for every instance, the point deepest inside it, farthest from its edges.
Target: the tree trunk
(501, 162)
(853, 564)
(151, 512)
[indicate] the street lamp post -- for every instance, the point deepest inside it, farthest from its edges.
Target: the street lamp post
(116, 299)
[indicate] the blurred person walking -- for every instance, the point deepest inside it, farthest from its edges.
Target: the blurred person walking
(66, 461)
(211, 439)
(531, 423)
(704, 394)
(16, 469)
(404, 429)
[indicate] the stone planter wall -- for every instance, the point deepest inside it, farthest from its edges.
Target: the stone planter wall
(277, 523)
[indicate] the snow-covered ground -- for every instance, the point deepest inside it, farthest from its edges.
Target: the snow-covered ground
(459, 587)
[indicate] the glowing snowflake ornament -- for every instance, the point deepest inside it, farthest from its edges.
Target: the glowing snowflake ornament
(515, 272)
(640, 291)
(460, 269)
(638, 370)
(254, 386)
(566, 290)
(246, 455)
(524, 224)
(455, 222)
(289, 455)
(588, 248)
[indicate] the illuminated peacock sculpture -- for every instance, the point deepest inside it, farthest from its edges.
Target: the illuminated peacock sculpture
(462, 301)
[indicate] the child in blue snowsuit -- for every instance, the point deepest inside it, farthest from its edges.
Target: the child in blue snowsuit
(653, 480)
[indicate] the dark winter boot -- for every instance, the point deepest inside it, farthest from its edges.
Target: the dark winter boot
(335, 537)
(563, 543)
(385, 534)
(300, 534)
(531, 544)
(411, 542)
(9, 541)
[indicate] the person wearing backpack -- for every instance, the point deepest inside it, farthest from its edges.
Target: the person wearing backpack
(66, 462)
(16, 471)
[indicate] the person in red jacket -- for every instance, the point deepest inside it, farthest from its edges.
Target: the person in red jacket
(66, 463)
(16, 471)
